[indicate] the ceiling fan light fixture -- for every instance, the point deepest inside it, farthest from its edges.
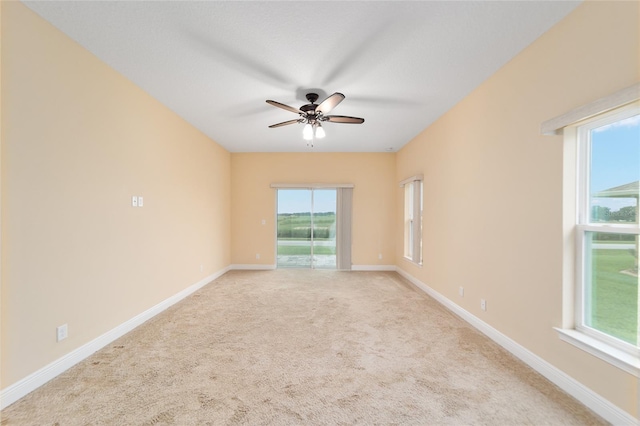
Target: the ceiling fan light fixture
(307, 132)
(312, 115)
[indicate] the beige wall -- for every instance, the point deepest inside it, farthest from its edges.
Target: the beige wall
(78, 140)
(252, 200)
(493, 186)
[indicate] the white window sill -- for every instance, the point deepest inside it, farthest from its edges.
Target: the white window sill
(408, 259)
(621, 359)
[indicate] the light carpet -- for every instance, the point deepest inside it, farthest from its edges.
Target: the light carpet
(293, 347)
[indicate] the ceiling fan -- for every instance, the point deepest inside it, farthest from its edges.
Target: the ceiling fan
(313, 115)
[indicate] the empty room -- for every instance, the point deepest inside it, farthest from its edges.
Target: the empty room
(342, 212)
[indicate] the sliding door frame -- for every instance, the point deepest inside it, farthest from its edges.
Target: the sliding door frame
(342, 262)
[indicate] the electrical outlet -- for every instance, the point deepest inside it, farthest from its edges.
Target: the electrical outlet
(483, 304)
(380, 256)
(257, 256)
(264, 221)
(62, 332)
(461, 291)
(140, 201)
(201, 268)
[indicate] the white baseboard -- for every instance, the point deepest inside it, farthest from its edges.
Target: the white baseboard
(262, 267)
(251, 267)
(373, 267)
(591, 399)
(33, 381)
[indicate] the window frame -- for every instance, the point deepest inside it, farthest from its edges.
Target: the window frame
(412, 234)
(584, 223)
(573, 253)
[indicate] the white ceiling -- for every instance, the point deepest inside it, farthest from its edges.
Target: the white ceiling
(400, 64)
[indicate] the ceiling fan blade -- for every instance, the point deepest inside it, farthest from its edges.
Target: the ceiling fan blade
(343, 119)
(330, 103)
(284, 123)
(283, 106)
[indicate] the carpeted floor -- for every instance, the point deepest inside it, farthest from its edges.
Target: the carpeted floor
(293, 347)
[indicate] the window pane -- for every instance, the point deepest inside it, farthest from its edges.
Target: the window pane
(294, 228)
(408, 220)
(615, 172)
(611, 284)
(306, 233)
(420, 219)
(324, 228)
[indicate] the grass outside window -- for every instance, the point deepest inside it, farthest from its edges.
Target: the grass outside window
(614, 293)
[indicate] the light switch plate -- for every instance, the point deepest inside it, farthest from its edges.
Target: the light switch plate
(134, 201)
(140, 202)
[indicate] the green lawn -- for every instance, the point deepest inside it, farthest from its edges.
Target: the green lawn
(304, 250)
(614, 294)
(298, 225)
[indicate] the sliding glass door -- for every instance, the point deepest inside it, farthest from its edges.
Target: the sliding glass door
(323, 220)
(306, 233)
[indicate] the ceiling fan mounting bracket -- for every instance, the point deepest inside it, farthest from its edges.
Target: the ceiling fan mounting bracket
(312, 97)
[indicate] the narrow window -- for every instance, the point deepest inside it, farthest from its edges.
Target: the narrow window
(413, 219)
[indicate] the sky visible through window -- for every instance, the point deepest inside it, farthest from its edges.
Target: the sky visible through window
(615, 159)
(299, 200)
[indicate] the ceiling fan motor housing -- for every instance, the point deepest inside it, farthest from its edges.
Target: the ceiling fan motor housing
(310, 109)
(311, 116)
